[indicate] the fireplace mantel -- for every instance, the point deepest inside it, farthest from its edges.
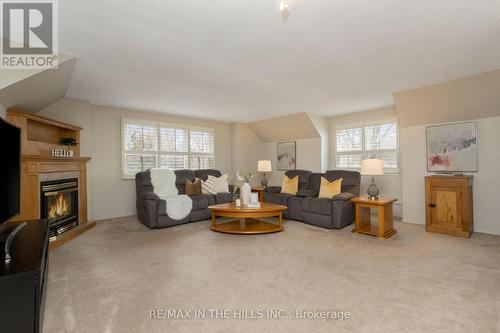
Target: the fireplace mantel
(54, 158)
(39, 136)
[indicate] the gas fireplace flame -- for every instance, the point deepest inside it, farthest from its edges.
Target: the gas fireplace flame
(59, 207)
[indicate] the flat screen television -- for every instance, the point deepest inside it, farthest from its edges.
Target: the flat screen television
(10, 171)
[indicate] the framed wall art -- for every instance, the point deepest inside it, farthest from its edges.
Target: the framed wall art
(452, 148)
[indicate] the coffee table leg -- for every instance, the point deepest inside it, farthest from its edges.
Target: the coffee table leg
(281, 219)
(213, 219)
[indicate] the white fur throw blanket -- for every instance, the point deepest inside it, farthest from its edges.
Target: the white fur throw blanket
(178, 206)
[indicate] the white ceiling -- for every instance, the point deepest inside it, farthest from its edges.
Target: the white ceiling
(237, 60)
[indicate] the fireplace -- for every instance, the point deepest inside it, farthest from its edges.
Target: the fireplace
(59, 204)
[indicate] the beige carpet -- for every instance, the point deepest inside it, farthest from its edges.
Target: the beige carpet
(109, 279)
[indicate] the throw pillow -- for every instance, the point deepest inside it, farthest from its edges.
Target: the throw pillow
(328, 189)
(193, 188)
(214, 185)
(290, 186)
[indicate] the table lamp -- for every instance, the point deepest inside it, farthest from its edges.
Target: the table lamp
(372, 167)
(264, 166)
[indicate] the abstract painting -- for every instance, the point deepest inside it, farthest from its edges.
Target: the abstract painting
(286, 156)
(452, 148)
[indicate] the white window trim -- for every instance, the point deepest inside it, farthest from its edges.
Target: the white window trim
(364, 124)
(159, 152)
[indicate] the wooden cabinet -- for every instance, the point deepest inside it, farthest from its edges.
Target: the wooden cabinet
(448, 205)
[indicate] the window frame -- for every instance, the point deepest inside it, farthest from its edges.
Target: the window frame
(159, 152)
(365, 152)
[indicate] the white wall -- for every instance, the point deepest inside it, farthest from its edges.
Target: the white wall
(248, 149)
(389, 185)
(322, 125)
(112, 196)
(486, 182)
(473, 97)
(308, 158)
(76, 112)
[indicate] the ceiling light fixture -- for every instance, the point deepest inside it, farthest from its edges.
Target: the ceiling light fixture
(284, 9)
(283, 5)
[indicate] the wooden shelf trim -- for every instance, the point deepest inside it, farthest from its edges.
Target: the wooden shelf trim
(54, 158)
(42, 119)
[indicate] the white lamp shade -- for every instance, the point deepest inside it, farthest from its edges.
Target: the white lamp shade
(264, 166)
(372, 167)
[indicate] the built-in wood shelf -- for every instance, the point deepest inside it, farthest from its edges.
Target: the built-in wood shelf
(40, 134)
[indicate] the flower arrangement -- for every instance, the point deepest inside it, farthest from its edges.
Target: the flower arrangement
(241, 178)
(244, 177)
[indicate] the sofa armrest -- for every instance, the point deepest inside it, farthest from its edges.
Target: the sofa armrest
(273, 189)
(344, 196)
(307, 193)
(149, 196)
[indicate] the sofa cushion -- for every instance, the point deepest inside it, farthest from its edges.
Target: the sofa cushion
(221, 198)
(343, 197)
(193, 188)
(273, 189)
(303, 177)
(315, 181)
(180, 180)
(307, 193)
(277, 198)
(162, 207)
(290, 185)
(329, 189)
(350, 180)
(202, 201)
(317, 206)
(214, 185)
(204, 173)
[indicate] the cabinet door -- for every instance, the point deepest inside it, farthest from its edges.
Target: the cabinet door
(447, 210)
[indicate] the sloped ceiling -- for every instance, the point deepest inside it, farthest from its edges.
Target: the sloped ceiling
(473, 97)
(34, 90)
(293, 127)
(236, 60)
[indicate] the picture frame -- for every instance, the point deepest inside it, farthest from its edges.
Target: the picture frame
(286, 153)
(452, 147)
(254, 198)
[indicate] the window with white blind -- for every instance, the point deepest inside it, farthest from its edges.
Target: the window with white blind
(377, 139)
(149, 144)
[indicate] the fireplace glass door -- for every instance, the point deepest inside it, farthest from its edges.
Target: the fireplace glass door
(59, 204)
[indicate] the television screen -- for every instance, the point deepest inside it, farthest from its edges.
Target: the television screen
(10, 171)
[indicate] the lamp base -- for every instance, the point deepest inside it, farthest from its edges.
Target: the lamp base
(263, 181)
(373, 190)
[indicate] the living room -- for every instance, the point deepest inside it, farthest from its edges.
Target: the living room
(184, 171)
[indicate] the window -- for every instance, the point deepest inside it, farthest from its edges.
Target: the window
(367, 140)
(153, 144)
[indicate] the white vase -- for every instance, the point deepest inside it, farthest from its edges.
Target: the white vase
(245, 191)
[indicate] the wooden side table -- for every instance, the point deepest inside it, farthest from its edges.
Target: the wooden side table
(260, 190)
(384, 229)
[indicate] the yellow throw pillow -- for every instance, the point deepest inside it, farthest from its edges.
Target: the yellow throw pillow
(328, 189)
(290, 186)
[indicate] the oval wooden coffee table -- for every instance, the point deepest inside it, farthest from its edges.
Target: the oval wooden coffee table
(247, 222)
